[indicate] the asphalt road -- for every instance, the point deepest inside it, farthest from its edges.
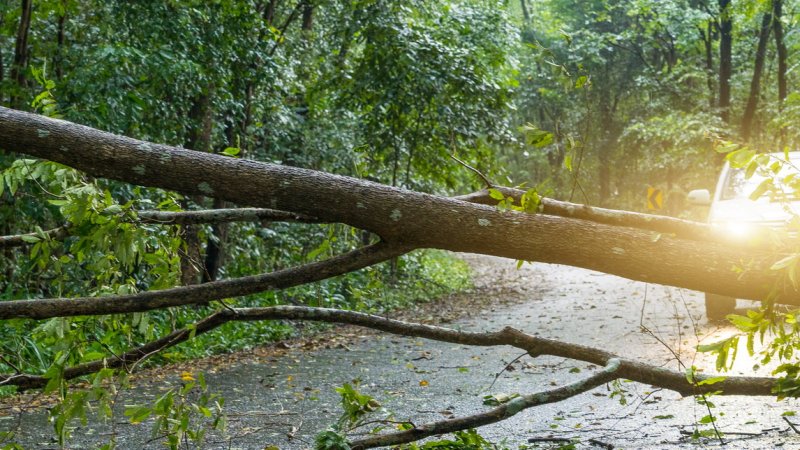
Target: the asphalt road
(284, 400)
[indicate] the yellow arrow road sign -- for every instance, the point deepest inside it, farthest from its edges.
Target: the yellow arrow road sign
(655, 198)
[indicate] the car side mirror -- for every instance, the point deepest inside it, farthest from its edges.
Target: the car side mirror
(699, 197)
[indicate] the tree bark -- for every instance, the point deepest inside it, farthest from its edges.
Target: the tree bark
(525, 14)
(199, 139)
(2, 66)
(780, 45)
(755, 83)
(308, 15)
(607, 143)
(707, 37)
(215, 248)
(20, 62)
(269, 12)
(398, 216)
(60, 41)
(725, 58)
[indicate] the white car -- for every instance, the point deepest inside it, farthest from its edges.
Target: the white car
(738, 216)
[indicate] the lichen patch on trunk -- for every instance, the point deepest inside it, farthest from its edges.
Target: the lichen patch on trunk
(396, 215)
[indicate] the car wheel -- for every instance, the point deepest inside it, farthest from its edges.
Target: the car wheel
(719, 306)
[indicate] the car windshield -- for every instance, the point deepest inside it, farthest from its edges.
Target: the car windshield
(738, 186)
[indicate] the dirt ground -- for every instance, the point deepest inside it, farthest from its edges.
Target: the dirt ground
(282, 395)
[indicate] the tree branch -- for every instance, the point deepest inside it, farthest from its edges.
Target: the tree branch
(224, 215)
(201, 293)
(18, 240)
(534, 345)
(209, 216)
(495, 415)
(477, 172)
(685, 229)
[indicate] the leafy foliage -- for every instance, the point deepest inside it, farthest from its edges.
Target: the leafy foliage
(178, 410)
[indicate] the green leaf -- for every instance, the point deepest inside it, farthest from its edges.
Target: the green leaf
(498, 399)
(707, 419)
(325, 246)
(751, 169)
(111, 210)
(690, 373)
(712, 380)
(741, 157)
(497, 195)
(761, 189)
(138, 414)
(231, 151)
(713, 347)
(785, 262)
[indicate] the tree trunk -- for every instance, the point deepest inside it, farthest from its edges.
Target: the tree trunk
(191, 262)
(725, 59)
(308, 15)
(707, 37)
(199, 139)
(269, 12)
(400, 217)
(215, 244)
(525, 14)
(60, 39)
(604, 176)
(607, 143)
(2, 66)
(780, 45)
(215, 247)
(20, 63)
(755, 83)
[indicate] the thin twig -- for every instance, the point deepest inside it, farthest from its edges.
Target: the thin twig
(226, 306)
(283, 28)
(489, 184)
(549, 439)
(10, 364)
(497, 375)
(791, 424)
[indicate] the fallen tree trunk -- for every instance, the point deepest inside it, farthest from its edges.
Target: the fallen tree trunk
(400, 217)
(636, 246)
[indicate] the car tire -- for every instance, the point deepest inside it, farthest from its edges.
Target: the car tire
(719, 306)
